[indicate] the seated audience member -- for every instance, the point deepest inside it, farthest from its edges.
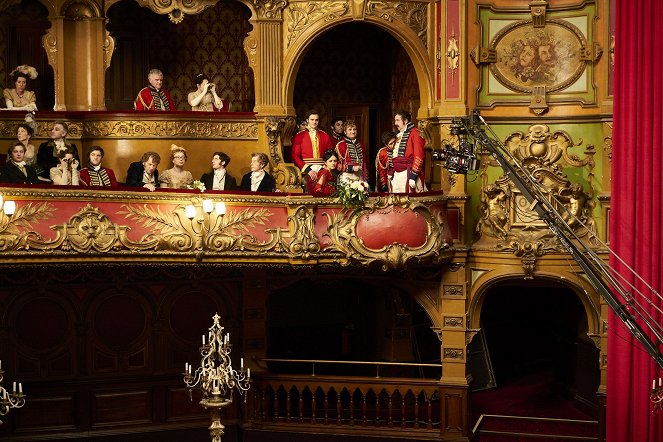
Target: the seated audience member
(95, 174)
(16, 171)
(258, 180)
(47, 156)
(176, 177)
(326, 184)
(144, 173)
(204, 98)
(19, 98)
(218, 178)
(384, 170)
(66, 172)
(23, 134)
(154, 97)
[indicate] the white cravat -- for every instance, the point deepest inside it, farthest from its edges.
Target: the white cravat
(256, 179)
(219, 179)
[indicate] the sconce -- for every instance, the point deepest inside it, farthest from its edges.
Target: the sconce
(8, 207)
(15, 399)
(216, 377)
(203, 226)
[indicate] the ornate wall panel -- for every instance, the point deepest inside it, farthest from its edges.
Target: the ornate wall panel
(540, 56)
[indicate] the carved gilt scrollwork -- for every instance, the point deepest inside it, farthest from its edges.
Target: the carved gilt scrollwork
(413, 14)
(122, 129)
(301, 15)
(507, 220)
(272, 9)
(342, 229)
(177, 9)
(305, 243)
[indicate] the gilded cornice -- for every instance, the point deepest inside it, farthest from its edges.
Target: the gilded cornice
(52, 225)
(269, 9)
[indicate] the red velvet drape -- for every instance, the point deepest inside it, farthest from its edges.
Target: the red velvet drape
(636, 220)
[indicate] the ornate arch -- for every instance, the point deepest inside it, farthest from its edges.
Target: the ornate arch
(296, 49)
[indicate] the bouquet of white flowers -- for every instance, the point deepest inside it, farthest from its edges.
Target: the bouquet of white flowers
(197, 185)
(352, 193)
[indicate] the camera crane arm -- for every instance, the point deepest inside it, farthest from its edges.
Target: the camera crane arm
(588, 261)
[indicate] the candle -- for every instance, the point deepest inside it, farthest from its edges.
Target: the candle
(208, 206)
(203, 339)
(653, 384)
(14, 389)
(20, 387)
(659, 382)
(186, 367)
(241, 362)
(248, 372)
(190, 211)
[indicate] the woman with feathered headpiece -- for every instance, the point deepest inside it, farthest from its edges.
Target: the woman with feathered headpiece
(19, 98)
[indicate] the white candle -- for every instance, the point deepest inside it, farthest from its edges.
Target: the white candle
(0, 364)
(659, 382)
(241, 362)
(248, 372)
(203, 339)
(14, 389)
(20, 387)
(653, 384)
(186, 367)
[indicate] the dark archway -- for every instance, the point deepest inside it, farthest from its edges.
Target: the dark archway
(542, 358)
(358, 68)
(345, 319)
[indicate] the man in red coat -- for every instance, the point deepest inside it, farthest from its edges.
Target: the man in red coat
(308, 147)
(408, 156)
(154, 97)
(352, 156)
(384, 170)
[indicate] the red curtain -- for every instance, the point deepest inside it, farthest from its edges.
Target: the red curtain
(636, 211)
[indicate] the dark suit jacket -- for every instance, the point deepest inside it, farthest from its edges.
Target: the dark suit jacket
(207, 180)
(46, 160)
(9, 173)
(268, 183)
(135, 175)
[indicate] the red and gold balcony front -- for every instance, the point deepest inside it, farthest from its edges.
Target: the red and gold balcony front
(68, 224)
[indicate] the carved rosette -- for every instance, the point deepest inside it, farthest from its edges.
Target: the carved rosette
(177, 9)
(342, 229)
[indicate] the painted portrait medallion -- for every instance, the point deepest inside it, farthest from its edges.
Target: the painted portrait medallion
(549, 56)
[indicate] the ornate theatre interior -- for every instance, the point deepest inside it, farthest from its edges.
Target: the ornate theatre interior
(394, 321)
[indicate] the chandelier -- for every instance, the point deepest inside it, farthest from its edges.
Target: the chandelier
(216, 377)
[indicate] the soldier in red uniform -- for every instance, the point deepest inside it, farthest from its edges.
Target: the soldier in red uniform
(352, 155)
(408, 156)
(308, 147)
(154, 97)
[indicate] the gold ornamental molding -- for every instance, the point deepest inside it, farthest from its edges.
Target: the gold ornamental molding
(174, 129)
(412, 13)
(176, 9)
(300, 15)
(269, 9)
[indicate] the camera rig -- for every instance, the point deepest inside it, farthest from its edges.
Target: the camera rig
(463, 158)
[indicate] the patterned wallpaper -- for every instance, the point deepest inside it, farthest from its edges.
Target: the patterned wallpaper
(210, 42)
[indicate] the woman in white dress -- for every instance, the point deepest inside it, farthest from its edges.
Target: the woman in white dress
(204, 98)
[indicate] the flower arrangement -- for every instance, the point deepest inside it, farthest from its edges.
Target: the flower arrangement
(352, 193)
(197, 185)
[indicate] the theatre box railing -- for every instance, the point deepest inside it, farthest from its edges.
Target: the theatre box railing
(70, 224)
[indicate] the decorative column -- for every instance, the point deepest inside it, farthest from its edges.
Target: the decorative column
(264, 48)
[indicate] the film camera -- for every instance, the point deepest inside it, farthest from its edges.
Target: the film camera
(459, 159)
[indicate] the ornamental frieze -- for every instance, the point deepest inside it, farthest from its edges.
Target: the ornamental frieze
(173, 129)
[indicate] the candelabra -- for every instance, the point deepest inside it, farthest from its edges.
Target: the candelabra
(216, 377)
(15, 399)
(656, 396)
